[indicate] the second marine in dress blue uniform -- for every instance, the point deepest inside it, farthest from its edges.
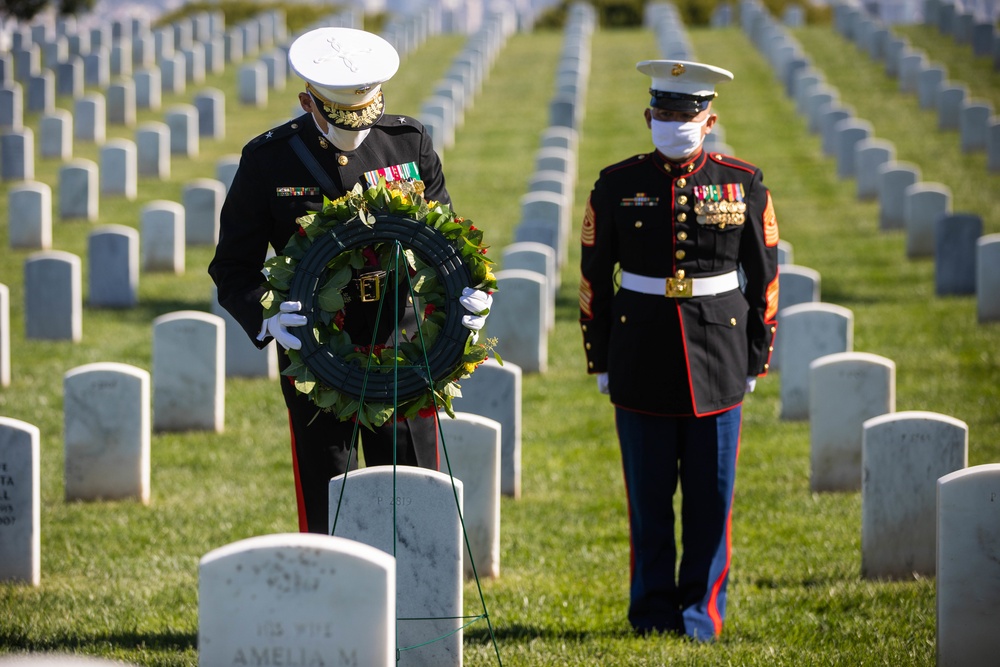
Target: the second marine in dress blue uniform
(678, 296)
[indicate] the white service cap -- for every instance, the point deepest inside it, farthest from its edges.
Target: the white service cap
(344, 70)
(680, 85)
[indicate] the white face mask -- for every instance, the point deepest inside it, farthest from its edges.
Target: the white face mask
(677, 140)
(345, 140)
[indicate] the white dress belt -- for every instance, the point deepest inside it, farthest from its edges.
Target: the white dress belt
(665, 286)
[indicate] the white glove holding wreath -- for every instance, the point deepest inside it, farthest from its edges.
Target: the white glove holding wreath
(276, 326)
(478, 303)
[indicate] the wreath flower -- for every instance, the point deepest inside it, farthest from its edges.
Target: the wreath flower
(408, 271)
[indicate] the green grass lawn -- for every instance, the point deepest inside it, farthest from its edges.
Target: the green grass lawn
(120, 580)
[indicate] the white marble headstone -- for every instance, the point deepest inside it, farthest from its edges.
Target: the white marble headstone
(988, 278)
(808, 331)
(923, 205)
(252, 79)
(845, 390)
(182, 119)
(17, 155)
(29, 215)
(53, 296)
(119, 169)
(20, 502)
(470, 445)
(411, 513)
(848, 134)
(870, 155)
(90, 118)
(955, 239)
(107, 432)
(539, 258)
(203, 199)
(494, 391)
(296, 599)
(968, 567)
(152, 141)
(55, 135)
(211, 106)
(163, 245)
(893, 180)
(78, 190)
(113, 257)
(796, 285)
(189, 380)
(552, 208)
(902, 456)
(518, 319)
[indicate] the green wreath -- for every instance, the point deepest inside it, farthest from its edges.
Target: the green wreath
(429, 251)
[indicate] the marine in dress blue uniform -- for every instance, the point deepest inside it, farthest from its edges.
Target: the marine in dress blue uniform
(348, 136)
(678, 296)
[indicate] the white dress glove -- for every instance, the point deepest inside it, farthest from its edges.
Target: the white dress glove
(277, 325)
(602, 383)
(751, 383)
(478, 303)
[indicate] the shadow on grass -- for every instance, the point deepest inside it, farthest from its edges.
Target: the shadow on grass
(518, 632)
(167, 641)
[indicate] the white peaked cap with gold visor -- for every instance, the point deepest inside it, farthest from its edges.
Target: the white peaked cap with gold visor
(344, 70)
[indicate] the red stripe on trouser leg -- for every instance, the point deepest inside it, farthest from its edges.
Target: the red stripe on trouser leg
(299, 499)
(713, 601)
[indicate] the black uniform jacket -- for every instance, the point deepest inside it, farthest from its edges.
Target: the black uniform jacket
(679, 356)
(272, 188)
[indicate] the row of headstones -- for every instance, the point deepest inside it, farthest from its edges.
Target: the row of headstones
(963, 257)
(173, 71)
(110, 409)
(965, 28)
(899, 461)
(524, 307)
(439, 528)
(167, 226)
(443, 112)
(107, 51)
(122, 161)
(975, 120)
(859, 442)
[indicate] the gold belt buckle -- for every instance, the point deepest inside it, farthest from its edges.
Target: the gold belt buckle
(370, 286)
(678, 287)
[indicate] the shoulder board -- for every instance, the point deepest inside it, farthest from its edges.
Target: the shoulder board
(391, 121)
(628, 162)
(731, 161)
(288, 129)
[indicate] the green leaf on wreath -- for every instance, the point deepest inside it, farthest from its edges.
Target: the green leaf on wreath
(270, 304)
(325, 397)
(425, 280)
(331, 299)
(280, 276)
(429, 330)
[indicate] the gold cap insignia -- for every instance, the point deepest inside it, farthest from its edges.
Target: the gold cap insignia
(677, 70)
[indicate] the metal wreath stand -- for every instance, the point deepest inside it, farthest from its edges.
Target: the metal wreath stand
(405, 382)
